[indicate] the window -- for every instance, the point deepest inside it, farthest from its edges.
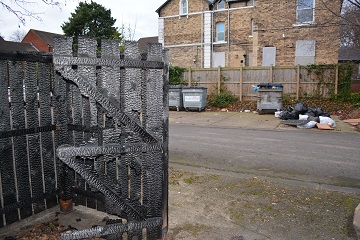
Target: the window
(220, 31)
(221, 4)
(183, 7)
(305, 11)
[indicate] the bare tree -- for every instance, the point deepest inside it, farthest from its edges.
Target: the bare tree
(127, 32)
(20, 8)
(18, 35)
(350, 24)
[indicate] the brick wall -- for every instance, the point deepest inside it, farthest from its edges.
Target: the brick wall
(32, 38)
(274, 24)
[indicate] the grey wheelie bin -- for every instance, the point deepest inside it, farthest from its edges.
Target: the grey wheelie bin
(175, 97)
(269, 97)
(194, 98)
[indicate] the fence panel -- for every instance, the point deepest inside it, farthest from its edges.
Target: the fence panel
(8, 181)
(28, 178)
(297, 81)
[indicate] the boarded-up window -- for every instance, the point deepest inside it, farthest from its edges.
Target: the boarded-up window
(305, 52)
(269, 56)
(218, 59)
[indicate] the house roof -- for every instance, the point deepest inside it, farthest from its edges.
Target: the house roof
(7, 46)
(47, 37)
(163, 5)
(349, 54)
(1, 39)
(142, 42)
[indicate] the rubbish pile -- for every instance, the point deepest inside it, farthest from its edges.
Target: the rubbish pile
(303, 116)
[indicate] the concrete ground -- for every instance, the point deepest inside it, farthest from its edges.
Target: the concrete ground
(250, 120)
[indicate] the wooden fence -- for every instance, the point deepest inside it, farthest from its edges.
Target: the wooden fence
(88, 130)
(297, 81)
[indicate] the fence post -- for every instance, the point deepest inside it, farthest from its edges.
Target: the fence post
(219, 80)
(189, 77)
(336, 79)
(297, 81)
(241, 82)
(271, 73)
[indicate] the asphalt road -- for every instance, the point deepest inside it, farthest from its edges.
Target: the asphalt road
(323, 157)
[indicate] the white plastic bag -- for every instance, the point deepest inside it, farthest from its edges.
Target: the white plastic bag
(310, 124)
(303, 117)
(328, 121)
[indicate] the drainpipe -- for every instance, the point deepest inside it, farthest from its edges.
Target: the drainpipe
(228, 35)
(202, 36)
(212, 38)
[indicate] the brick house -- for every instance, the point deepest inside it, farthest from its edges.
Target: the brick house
(42, 41)
(230, 33)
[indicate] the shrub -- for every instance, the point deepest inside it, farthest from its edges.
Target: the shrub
(221, 100)
(176, 75)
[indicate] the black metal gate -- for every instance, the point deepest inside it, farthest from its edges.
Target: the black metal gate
(109, 125)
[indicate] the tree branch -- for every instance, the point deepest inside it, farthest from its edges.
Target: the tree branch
(20, 8)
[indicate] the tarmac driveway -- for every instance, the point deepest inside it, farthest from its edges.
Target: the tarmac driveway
(226, 204)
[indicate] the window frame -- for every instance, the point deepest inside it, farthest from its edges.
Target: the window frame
(303, 9)
(218, 24)
(183, 7)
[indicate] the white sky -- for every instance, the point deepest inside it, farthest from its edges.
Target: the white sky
(140, 15)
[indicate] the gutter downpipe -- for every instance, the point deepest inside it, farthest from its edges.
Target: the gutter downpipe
(202, 35)
(228, 35)
(212, 38)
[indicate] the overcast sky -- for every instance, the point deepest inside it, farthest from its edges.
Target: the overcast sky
(138, 14)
